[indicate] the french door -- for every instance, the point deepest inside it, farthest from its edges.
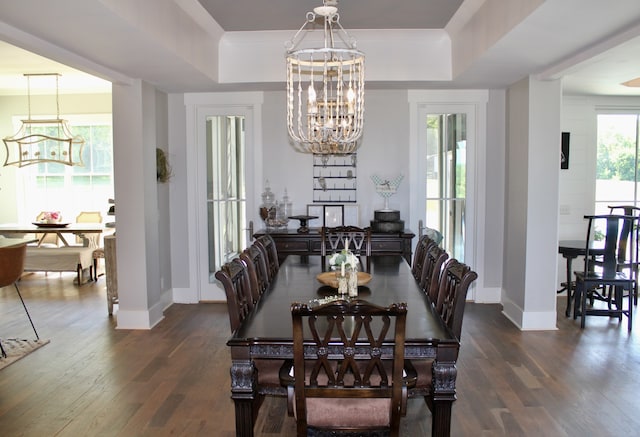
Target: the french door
(445, 179)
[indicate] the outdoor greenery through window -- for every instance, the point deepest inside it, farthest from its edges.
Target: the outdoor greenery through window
(71, 189)
(617, 160)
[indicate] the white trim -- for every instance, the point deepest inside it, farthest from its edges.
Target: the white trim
(198, 107)
(474, 104)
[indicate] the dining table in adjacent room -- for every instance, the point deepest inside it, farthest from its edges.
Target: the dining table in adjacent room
(570, 250)
(266, 333)
(80, 229)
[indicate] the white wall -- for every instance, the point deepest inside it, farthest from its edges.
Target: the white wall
(533, 156)
(577, 183)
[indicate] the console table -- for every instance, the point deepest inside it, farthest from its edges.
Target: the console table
(290, 242)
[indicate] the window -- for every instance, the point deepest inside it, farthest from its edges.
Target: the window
(617, 160)
(58, 187)
(446, 179)
(226, 194)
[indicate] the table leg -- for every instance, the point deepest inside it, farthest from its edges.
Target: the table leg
(243, 393)
(444, 393)
(569, 283)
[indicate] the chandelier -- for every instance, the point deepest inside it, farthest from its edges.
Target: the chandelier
(325, 88)
(43, 140)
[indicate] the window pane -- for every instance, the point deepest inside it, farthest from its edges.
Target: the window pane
(616, 164)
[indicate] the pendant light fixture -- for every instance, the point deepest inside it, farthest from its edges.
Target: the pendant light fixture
(43, 140)
(325, 87)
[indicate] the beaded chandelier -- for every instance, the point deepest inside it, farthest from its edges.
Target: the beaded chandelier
(325, 88)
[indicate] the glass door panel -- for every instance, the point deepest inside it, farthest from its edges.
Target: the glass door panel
(445, 179)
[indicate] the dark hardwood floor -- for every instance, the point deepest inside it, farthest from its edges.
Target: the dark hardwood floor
(94, 380)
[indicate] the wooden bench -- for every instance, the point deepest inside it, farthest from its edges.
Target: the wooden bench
(59, 259)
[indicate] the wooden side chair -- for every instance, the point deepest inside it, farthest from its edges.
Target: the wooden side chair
(602, 279)
(358, 240)
(431, 267)
(347, 373)
(453, 286)
(257, 268)
(234, 277)
(623, 244)
(11, 268)
(270, 251)
(424, 243)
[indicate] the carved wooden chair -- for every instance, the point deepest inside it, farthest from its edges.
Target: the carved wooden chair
(347, 373)
(234, 276)
(434, 259)
(11, 268)
(270, 251)
(424, 243)
(453, 285)
(334, 239)
(254, 258)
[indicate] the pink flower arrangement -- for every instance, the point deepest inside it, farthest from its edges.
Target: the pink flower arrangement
(51, 216)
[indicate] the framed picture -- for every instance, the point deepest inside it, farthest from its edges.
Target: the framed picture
(333, 215)
(564, 157)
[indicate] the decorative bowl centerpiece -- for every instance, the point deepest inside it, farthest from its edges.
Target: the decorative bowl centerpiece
(331, 278)
(345, 277)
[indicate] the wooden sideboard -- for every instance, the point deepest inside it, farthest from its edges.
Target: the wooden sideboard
(290, 242)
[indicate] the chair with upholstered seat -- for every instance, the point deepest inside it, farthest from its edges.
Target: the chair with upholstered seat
(424, 243)
(347, 374)
(257, 265)
(93, 239)
(234, 277)
(434, 259)
(357, 240)
(11, 268)
(49, 239)
(453, 286)
(267, 244)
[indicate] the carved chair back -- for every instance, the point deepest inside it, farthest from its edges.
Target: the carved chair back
(234, 277)
(348, 354)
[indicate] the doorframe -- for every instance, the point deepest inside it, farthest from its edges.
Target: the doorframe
(198, 107)
(474, 104)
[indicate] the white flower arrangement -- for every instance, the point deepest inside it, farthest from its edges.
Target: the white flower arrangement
(343, 259)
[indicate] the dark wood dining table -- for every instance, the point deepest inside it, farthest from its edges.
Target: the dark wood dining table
(267, 332)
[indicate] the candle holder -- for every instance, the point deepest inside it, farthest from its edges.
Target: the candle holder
(303, 229)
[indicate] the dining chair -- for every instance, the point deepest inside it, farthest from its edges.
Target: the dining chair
(11, 268)
(434, 259)
(356, 239)
(267, 244)
(423, 245)
(234, 277)
(93, 239)
(623, 242)
(254, 258)
(347, 373)
(603, 280)
(453, 285)
(47, 238)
